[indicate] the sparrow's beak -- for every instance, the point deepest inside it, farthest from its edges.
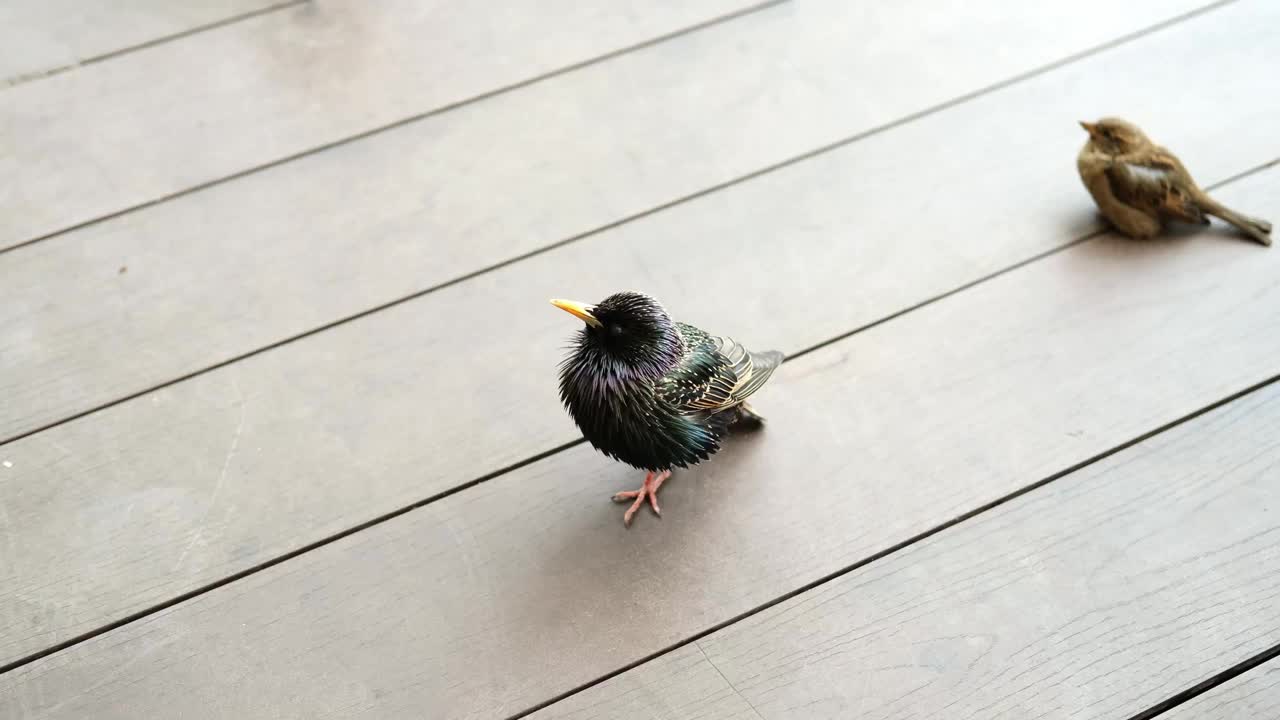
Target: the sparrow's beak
(578, 310)
(1088, 127)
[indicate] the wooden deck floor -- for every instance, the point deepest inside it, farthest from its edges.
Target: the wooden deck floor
(279, 430)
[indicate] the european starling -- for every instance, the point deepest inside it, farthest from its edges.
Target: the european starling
(1139, 185)
(655, 393)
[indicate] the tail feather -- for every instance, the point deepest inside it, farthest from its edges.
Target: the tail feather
(762, 366)
(1256, 228)
(742, 416)
(769, 359)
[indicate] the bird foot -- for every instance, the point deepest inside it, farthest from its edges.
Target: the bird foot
(649, 490)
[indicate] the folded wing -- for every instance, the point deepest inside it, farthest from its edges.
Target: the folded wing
(716, 373)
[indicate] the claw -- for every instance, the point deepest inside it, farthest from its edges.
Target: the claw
(648, 490)
(631, 511)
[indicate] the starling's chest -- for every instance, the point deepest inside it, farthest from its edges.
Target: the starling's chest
(611, 413)
(631, 424)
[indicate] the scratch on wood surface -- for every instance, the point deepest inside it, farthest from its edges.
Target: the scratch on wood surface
(222, 475)
(726, 680)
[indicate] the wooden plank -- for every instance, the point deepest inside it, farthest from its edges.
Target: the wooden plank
(494, 599)
(294, 445)
(1097, 596)
(168, 118)
(1255, 694)
(323, 250)
(44, 36)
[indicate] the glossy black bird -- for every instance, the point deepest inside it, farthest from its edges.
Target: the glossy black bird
(655, 393)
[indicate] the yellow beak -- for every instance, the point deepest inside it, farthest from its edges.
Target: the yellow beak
(578, 310)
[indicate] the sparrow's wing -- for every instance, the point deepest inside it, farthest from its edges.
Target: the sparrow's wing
(715, 373)
(1154, 183)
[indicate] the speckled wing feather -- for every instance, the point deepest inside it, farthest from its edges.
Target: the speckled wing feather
(1151, 184)
(715, 374)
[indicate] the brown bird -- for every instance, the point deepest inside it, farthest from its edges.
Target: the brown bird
(1139, 186)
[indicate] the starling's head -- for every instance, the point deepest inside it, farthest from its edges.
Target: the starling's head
(629, 330)
(1115, 136)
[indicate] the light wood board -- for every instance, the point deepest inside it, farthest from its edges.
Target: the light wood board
(121, 307)
(1097, 596)
(167, 118)
(43, 36)
(292, 446)
(494, 599)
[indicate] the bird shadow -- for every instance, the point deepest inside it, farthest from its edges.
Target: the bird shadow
(588, 548)
(1110, 248)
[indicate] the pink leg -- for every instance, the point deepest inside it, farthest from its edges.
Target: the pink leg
(649, 490)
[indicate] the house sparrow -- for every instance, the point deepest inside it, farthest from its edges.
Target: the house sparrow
(655, 393)
(1139, 185)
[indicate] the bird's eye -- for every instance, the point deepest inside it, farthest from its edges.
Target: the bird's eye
(615, 329)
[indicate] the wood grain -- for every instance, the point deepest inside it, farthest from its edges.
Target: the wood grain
(494, 599)
(1094, 597)
(168, 118)
(41, 36)
(291, 446)
(1255, 694)
(118, 308)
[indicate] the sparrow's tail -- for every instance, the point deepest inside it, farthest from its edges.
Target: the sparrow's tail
(1256, 228)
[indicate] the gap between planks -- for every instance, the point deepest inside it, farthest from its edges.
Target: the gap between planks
(253, 170)
(971, 514)
(158, 607)
(1254, 692)
(760, 172)
(42, 74)
(1209, 683)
